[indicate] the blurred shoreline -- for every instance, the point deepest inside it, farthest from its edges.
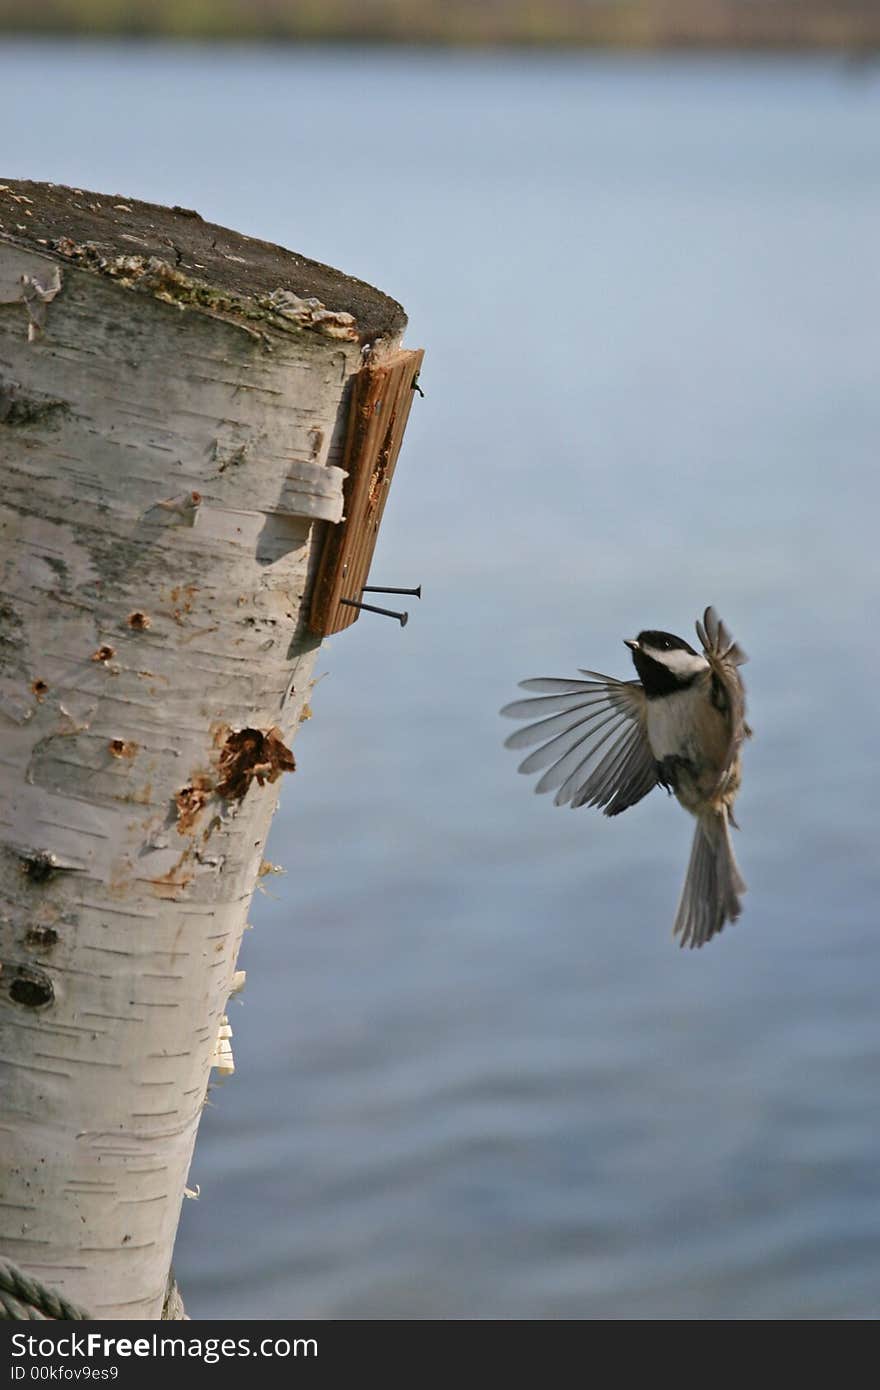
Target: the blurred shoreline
(848, 26)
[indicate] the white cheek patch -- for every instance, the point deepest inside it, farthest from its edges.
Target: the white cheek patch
(679, 662)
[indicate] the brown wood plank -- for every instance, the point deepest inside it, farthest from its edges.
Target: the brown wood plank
(381, 400)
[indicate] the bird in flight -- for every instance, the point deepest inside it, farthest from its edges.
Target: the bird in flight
(606, 742)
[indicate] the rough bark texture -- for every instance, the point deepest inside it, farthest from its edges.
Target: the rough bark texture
(165, 440)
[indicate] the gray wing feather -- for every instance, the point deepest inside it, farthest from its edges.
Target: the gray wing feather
(554, 724)
(622, 781)
(725, 656)
(715, 639)
(592, 740)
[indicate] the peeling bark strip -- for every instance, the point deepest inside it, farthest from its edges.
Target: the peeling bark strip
(173, 411)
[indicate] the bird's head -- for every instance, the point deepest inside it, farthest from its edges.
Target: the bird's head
(664, 662)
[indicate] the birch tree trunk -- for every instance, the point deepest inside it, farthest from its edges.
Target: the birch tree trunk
(172, 413)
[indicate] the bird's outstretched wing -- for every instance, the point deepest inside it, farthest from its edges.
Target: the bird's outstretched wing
(592, 740)
(725, 656)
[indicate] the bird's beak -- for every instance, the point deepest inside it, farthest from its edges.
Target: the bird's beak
(632, 643)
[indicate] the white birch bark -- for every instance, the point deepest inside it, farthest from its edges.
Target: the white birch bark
(153, 569)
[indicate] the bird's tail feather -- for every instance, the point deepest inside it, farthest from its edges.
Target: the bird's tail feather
(710, 896)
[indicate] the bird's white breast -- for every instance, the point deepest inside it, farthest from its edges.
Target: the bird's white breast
(674, 724)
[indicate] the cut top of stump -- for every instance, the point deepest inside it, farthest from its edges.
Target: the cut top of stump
(98, 231)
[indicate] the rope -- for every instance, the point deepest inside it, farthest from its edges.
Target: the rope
(23, 1298)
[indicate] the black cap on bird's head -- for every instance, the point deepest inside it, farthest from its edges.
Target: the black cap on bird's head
(658, 641)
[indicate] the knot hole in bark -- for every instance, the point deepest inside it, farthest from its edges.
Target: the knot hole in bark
(31, 987)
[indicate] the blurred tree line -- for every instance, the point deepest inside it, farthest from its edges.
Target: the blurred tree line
(848, 25)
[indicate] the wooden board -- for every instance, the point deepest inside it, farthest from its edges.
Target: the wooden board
(380, 406)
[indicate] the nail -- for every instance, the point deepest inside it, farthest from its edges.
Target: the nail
(376, 589)
(402, 618)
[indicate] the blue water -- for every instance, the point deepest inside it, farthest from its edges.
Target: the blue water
(475, 1076)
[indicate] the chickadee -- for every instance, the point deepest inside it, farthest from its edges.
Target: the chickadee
(607, 743)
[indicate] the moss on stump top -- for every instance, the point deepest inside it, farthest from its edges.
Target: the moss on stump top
(99, 230)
